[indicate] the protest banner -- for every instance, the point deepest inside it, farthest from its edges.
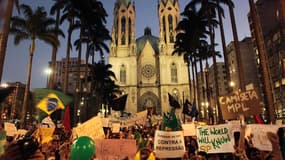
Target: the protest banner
(92, 128)
(109, 149)
(239, 103)
(259, 132)
(169, 144)
(189, 129)
(10, 129)
(215, 139)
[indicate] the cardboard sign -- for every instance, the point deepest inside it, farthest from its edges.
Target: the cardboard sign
(46, 134)
(105, 122)
(21, 132)
(92, 128)
(10, 129)
(169, 144)
(141, 117)
(189, 129)
(109, 149)
(116, 127)
(215, 139)
(246, 103)
(260, 139)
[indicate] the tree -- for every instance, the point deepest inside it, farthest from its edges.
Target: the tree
(55, 9)
(69, 14)
(191, 32)
(102, 82)
(33, 25)
(6, 28)
(209, 8)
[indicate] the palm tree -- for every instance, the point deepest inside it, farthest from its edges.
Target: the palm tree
(55, 9)
(102, 82)
(209, 8)
(93, 18)
(223, 40)
(33, 25)
(69, 14)
(236, 44)
(191, 33)
(6, 28)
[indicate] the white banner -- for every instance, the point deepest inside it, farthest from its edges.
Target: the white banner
(169, 144)
(215, 139)
(259, 132)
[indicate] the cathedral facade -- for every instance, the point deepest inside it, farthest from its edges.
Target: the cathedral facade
(145, 67)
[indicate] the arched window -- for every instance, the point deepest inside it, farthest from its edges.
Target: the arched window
(123, 74)
(164, 28)
(170, 22)
(123, 23)
(123, 30)
(173, 71)
(171, 37)
(130, 30)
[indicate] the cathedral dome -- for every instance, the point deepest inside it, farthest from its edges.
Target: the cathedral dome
(125, 2)
(141, 41)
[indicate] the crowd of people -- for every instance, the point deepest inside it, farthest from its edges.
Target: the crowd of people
(59, 147)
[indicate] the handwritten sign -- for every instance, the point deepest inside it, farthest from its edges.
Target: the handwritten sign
(260, 139)
(116, 127)
(169, 144)
(189, 129)
(246, 103)
(141, 117)
(215, 139)
(21, 132)
(92, 128)
(109, 149)
(10, 129)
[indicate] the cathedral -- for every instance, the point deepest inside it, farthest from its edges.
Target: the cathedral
(145, 68)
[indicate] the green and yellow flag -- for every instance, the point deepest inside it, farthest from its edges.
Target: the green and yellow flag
(50, 103)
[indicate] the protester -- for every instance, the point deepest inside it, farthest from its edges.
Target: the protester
(13, 152)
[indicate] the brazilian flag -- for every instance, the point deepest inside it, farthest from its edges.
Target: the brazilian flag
(50, 103)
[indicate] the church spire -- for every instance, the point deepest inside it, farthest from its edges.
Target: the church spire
(123, 31)
(172, 1)
(168, 14)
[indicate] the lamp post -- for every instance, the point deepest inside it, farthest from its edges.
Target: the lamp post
(48, 71)
(232, 85)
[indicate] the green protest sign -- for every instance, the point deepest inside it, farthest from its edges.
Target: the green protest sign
(215, 139)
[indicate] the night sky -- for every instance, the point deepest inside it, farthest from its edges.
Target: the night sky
(17, 57)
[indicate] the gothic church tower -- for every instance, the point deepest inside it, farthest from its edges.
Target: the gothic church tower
(145, 68)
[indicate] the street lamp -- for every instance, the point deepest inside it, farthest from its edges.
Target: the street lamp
(48, 71)
(232, 84)
(4, 85)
